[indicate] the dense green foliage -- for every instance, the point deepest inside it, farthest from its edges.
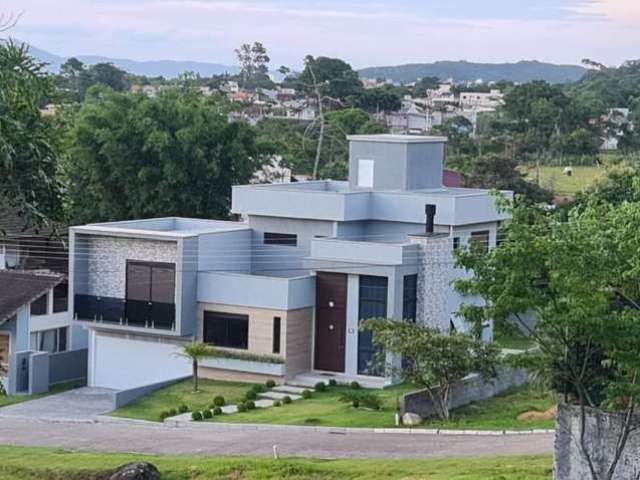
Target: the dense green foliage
(28, 140)
(76, 78)
(132, 156)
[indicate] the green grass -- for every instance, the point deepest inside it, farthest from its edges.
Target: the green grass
(326, 409)
(513, 340)
(501, 412)
(6, 400)
(20, 463)
(553, 179)
(150, 406)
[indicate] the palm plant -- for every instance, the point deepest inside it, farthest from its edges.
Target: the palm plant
(195, 351)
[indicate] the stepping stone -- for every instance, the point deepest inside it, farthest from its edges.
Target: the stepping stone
(279, 395)
(288, 389)
(264, 403)
(230, 409)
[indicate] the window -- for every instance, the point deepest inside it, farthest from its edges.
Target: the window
(150, 294)
(409, 297)
(372, 304)
(287, 239)
(52, 341)
(456, 243)
(226, 330)
(365, 173)
(60, 298)
(276, 334)
(39, 306)
(481, 238)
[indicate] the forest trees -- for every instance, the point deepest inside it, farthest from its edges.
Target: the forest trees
(175, 155)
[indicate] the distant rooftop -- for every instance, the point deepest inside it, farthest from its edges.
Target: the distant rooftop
(391, 138)
(169, 227)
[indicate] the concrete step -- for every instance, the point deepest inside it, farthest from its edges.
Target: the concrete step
(288, 389)
(264, 403)
(230, 409)
(279, 395)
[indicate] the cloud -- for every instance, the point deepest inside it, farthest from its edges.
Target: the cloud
(364, 33)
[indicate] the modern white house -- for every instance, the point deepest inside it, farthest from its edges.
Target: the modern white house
(281, 292)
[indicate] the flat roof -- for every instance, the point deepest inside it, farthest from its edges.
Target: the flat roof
(165, 227)
(391, 138)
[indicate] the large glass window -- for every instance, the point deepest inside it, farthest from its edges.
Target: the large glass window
(39, 306)
(481, 238)
(226, 330)
(277, 326)
(60, 297)
(52, 341)
(410, 297)
(372, 304)
(150, 294)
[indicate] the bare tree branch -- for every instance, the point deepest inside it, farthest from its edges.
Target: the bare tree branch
(9, 20)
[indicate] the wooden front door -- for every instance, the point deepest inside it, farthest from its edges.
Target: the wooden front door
(331, 321)
(4, 355)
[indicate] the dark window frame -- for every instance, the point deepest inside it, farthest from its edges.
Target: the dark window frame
(61, 302)
(456, 243)
(277, 333)
(153, 308)
(282, 239)
(224, 331)
(479, 236)
(410, 297)
(40, 306)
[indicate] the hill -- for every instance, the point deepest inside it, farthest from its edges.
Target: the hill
(462, 71)
(150, 68)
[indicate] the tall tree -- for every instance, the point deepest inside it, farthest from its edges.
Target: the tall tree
(28, 154)
(175, 155)
(254, 65)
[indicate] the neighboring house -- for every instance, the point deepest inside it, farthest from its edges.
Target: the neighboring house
(34, 318)
(484, 100)
(282, 294)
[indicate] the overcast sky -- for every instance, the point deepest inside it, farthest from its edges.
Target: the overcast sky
(364, 32)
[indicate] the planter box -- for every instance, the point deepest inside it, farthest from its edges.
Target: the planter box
(248, 366)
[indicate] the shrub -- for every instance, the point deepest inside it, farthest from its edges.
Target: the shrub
(207, 414)
(355, 385)
(173, 412)
(332, 382)
(183, 408)
(270, 383)
(306, 394)
(251, 395)
(250, 404)
(258, 388)
(196, 416)
(286, 399)
(217, 411)
(218, 401)
(365, 399)
(277, 403)
(242, 408)
(164, 414)
(320, 387)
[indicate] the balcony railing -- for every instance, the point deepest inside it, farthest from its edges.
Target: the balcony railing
(118, 311)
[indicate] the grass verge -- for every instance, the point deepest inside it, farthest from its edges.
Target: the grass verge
(6, 400)
(20, 463)
(150, 406)
(553, 179)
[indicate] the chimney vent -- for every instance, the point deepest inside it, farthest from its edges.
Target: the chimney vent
(430, 211)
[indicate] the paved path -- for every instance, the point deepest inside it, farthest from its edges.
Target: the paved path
(78, 404)
(159, 439)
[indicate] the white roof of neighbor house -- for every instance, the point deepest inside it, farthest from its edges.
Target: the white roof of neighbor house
(168, 227)
(391, 138)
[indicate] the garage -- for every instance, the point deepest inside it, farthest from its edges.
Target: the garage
(121, 362)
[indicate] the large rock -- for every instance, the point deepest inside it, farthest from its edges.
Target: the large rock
(411, 419)
(136, 471)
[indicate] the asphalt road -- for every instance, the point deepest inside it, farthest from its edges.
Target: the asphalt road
(152, 439)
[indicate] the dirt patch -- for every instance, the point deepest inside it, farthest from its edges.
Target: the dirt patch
(536, 416)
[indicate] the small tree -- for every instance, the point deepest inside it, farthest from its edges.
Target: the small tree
(432, 359)
(195, 352)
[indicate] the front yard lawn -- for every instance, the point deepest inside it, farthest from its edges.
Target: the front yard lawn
(501, 412)
(6, 400)
(20, 463)
(326, 409)
(150, 406)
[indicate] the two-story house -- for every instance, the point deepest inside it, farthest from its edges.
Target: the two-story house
(282, 292)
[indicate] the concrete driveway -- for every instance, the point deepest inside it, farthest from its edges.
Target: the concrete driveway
(80, 404)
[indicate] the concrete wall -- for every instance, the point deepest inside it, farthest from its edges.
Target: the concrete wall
(38, 373)
(225, 251)
(471, 389)
(67, 366)
(125, 397)
(296, 340)
(602, 432)
(186, 286)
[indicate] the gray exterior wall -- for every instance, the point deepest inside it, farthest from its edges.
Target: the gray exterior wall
(602, 431)
(125, 397)
(186, 286)
(225, 251)
(38, 373)
(67, 366)
(284, 260)
(470, 389)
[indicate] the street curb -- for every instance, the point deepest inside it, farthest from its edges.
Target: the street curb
(175, 423)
